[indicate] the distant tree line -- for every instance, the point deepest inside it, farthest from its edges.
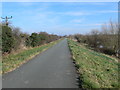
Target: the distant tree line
(13, 39)
(105, 41)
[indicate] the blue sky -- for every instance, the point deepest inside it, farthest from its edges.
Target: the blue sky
(60, 18)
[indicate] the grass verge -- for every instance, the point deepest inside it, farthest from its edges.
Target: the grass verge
(96, 69)
(11, 62)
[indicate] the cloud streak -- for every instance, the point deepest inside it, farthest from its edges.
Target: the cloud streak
(86, 13)
(94, 24)
(108, 11)
(76, 21)
(74, 13)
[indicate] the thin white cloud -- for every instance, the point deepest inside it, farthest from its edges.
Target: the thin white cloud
(73, 13)
(76, 21)
(108, 11)
(94, 24)
(26, 3)
(98, 3)
(97, 24)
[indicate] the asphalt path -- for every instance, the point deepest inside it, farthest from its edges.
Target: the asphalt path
(52, 68)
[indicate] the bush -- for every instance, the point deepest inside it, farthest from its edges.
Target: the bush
(35, 39)
(107, 51)
(7, 39)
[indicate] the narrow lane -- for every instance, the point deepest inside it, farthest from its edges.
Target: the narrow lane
(52, 68)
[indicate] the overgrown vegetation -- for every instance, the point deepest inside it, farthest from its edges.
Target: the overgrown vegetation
(12, 61)
(104, 40)
(96, 69)
(13, 39)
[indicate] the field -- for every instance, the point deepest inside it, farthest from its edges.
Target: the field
(96, 70)
(12, 61)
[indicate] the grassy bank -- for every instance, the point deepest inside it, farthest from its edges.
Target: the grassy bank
(97, 70)
(11, 62)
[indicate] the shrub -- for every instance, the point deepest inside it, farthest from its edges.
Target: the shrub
(7, 39)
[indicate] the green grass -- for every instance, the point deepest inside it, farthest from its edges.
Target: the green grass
(97, 70)
(11, 61)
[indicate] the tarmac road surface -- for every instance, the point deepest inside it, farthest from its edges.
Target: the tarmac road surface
(52, 68)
